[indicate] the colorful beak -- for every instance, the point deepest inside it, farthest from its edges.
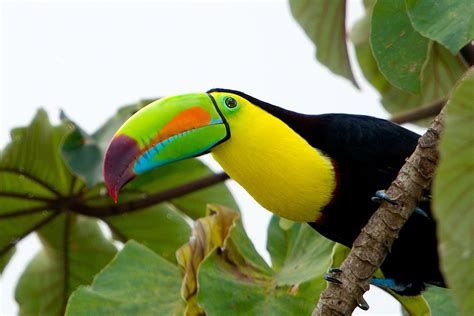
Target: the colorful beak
(167, 130)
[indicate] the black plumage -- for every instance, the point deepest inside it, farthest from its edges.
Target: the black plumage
(367, 153)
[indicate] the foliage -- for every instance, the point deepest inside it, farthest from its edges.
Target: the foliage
(51, 184)
(39, 193)
(454, 192)
(222, 273)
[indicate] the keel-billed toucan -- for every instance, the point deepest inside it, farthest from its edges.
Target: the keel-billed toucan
(320, 169)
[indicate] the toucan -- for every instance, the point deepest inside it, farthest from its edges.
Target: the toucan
(321, 169)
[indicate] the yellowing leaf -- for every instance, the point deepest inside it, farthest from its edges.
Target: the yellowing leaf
(208, 233)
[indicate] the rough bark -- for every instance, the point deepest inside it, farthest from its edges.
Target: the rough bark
(376, 238)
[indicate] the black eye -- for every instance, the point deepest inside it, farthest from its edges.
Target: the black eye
(230, 102)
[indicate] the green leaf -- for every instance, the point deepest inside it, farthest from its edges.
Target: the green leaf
(74, 251)
(399, 50)
(438, 77)
(441, 301)
(449, 22)
(307, 253)
(324, 23)
(84, 153)
(32, 178)
(37, 189)
(228, 282)
(453, 192)
(4, 259)
(161, 228)
(136, 282)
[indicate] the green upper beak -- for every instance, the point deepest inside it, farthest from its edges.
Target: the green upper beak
(164, 131)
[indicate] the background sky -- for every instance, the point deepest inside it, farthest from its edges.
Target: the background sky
(89, 58)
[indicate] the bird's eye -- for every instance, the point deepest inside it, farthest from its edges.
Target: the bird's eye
(230, 102)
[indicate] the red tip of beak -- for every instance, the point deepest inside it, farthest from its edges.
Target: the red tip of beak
(118, 163)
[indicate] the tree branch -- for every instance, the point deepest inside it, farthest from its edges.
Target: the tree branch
(121, 208)
(419, 113)
(374, 242)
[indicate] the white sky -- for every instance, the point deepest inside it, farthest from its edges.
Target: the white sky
(91, 57)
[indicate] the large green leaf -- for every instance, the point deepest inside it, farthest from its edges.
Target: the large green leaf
(453, 193)
(449, 22)
(324, 23)
(438, 76)
(136, 282)
(161, 228)
(440, 301)
(37, 189)
(230, 284)
(74, 251)
(399, 50)
(32, 178)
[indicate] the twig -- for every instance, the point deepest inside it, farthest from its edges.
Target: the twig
(121, 208)
(419, 113)
(374, 242)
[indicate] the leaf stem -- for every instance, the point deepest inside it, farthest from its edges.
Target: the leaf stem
(419, 113)
(24, 212)
(38, 225)
(24, 196)
(138, 204)
(33, 178)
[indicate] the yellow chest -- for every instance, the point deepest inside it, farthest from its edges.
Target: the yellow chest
(277, 167)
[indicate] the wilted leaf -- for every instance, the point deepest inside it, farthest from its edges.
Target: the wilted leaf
(136, 282)
(208, 233)
(37, 190)
(74, 251)
(399, 50)
(453, 193)
(228, 282)
(449, 22)
(324, 23)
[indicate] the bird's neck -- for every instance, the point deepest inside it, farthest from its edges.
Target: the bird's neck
(277, 167)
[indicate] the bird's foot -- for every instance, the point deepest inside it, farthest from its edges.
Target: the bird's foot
(391, 284)
(381, 196)
(330, 275)
(330, 278)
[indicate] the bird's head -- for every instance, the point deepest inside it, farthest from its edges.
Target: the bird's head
(169, 130)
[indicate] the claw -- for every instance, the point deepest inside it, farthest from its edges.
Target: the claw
(335, 270)
(419, 211)
(331, 279)
(380, 196)
(363, 304)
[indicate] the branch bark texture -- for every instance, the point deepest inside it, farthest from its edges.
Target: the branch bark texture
(376, 238)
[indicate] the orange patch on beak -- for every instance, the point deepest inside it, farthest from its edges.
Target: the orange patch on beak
(189, 119)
